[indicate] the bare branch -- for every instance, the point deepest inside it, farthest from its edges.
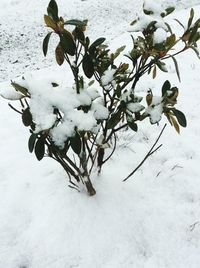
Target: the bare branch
(151, 151)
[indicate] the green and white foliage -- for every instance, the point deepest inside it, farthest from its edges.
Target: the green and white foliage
(76, 125)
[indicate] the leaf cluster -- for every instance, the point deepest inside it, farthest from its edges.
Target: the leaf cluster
(116, 82)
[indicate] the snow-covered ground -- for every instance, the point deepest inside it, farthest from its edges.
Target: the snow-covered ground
(152, 220)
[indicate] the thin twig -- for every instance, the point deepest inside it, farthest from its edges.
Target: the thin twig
(95, 156)
(90, 156)
(151, 151)
(155, 149)
(113, 150)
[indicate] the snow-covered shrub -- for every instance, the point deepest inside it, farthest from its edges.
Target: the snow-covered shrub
(75, 125)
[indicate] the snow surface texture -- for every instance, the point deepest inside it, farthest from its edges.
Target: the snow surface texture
(151, 221)
(22, 27)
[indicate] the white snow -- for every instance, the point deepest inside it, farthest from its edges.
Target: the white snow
(155, 109)
(152, 220)
(159, 36)
(7, 92)
(153, 6)
(143, 20)
(100, 112)
(45, 98)
(108, 77)
(135, 107)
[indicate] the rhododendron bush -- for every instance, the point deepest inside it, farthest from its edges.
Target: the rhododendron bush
(78, 125)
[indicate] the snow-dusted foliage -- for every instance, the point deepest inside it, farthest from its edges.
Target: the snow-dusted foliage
(75, 125)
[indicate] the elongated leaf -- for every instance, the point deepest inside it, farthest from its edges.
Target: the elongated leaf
(169, 10)
(176, 68)
(75, 23)
(31, 142)
(27, 117)
(132, 125)
(67, 43)
(170, 41)
(180, 117)
(19, 88)
(166, 86)
(191, 17)
(114, 120)
(134, 22)
(52, 10)
(169, 28)
(162, 66)
(87, 42)
(59, 55)
(88, 66)
(50, 22)
(147, 12)
(91, 83)
(118, 51)
(98, 42)
(78, 34)
(175, 124)
(46, 43)
(154, 72)
(40, 148)
(194, 35)
(180, 24)
(76, 144)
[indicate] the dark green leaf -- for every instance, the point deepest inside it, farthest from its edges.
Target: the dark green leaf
(31, 142)
(176, 68)
(147, 12)
(78, 34)
(19, 88)
(114, 120)
(162, 66)
(180, 24)
(180, 117)
(191, 17)
(67, 43)
(52, 10)
(88, 66)
(87, 42)
(194, 36)
(27, 117)
(132, 125)
(76, 23)
(166, 86)
(40, 148)
(169, 28)
(98, 42)
(169, 10)
(75, 143)
(54, 84)
(151, 26)
(197, 23)
(133, 22)
(45, 43)
(160, 47)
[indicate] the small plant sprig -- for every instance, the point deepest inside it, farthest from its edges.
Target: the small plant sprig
(115, 106)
